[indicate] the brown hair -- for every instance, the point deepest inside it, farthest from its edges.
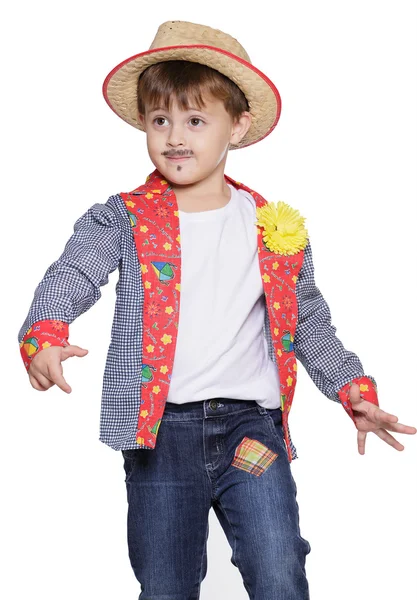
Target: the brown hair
(186, 81)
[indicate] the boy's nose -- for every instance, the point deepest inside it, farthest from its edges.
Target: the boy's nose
(174, 147)
(176, 136)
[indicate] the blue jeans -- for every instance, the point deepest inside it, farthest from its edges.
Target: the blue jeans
(225, 453)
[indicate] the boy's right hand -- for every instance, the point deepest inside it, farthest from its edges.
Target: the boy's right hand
(46, 370)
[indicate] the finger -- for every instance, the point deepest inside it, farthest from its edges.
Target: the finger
(355, 394)
(35, 383)
(361, 441)
(389, 439)
(56, 375)
(69, 351)
(400, 428)
(381, 415)
(44, 380)
(376, 414)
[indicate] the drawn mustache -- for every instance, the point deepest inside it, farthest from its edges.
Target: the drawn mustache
(173, 153)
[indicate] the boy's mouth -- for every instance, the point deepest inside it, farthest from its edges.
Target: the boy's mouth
(178, 158)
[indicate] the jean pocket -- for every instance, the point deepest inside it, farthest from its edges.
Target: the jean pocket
(273, 417)
(253, 456)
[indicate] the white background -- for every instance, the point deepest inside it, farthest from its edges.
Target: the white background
(343, 153)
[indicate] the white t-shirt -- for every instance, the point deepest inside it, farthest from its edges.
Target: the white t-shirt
(221, 349)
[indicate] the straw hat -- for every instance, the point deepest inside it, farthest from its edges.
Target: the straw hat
(181, 40)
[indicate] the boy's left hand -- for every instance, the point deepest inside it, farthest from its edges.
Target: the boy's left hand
(369, 417)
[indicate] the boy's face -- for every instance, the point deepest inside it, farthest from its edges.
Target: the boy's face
(201, 136)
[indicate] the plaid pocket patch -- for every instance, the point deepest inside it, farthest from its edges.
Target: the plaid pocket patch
(253, 456)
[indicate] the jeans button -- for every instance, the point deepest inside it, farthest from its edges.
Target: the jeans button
(213, 404)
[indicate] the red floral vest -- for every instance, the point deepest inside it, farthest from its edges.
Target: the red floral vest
(153, 212)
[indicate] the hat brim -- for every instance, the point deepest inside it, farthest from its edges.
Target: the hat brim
(120, 85)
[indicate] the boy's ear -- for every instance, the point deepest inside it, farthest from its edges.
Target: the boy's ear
(240, 127)
(141, 119)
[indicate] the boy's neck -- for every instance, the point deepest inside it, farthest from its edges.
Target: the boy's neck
(207, 194)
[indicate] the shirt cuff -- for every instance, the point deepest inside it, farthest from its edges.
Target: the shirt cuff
(43, 334)
(368, 391)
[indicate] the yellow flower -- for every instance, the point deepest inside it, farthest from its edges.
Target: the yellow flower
(284, 231)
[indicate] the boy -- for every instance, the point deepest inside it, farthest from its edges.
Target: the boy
(211, 314)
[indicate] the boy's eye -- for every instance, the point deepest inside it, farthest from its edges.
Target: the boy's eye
(192, 120)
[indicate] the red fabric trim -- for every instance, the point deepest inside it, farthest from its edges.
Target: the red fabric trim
(43, 334)
(154, 218)
(368, 391)
(282, 306)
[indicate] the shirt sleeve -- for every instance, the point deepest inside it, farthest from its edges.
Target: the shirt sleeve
(330, 365)
(71, 284)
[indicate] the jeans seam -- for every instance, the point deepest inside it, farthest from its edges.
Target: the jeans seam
(235, 547)
(202, 558)
(132, 461)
